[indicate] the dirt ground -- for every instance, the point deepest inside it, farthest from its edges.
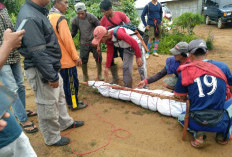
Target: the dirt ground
(151, 134)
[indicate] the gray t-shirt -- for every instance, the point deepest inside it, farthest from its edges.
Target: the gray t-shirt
(85, 26)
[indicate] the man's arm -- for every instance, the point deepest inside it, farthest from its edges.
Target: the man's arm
(125, 19)
(96, 22)
(74, 27)
(66, 38)
(11, 40)
(109, 54)
(37, 51)
(153, 78)
(161, 12)
(122, 35)
(144, 13)
(157, 76)
(180, 91)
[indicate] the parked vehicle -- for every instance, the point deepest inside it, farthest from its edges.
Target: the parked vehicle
(219, 11)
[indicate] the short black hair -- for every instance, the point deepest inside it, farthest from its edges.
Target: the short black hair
(53, 2)
(200, 52)
(106, 5)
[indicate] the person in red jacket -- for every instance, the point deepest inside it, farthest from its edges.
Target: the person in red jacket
(101, 35)
(112, 19)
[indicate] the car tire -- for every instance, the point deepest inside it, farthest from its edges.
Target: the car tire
(220, 25)
(207, 20)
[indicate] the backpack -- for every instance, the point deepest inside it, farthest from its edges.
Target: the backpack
(130, 30)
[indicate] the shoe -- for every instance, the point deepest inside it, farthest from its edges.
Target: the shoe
(62, 142)
(76, 124)
(147, 56)
(155, 54)
(80, 105)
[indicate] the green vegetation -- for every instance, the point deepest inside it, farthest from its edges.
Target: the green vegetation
(182, 30)
(189, 21)
(93, 143)
(182, 27)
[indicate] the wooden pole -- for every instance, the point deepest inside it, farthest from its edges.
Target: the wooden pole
(186, 120)
(141, 39)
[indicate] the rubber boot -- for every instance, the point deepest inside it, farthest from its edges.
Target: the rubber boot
(85, 72)
(99, 72)
(114, 71)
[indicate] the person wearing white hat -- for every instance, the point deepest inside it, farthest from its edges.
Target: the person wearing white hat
(85, 23)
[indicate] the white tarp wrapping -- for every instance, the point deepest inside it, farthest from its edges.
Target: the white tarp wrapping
(166, 107)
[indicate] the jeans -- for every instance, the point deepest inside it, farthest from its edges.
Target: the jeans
(11, 76)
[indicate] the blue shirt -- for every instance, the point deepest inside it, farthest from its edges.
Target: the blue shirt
(172, 65)
(152, 11)
(206, 92)
(11, 132)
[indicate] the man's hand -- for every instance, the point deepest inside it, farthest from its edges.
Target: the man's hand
(139, 62)
(13, 39)
(147, 27)
(78, 62)
(54, 84)
(3, 123)
(106, 72)
(99, 49)
(141, 84)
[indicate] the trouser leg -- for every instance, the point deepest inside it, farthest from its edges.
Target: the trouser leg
(71, 86)
(84, 55)
(8, 79)
(127, 69)
(48, 106)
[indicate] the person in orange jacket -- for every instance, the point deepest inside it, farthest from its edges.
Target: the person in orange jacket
(70, 58)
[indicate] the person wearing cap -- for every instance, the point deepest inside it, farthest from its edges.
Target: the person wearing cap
(172, 63)
(86, 23)
(207, 83)
(101, 35)
(70, 58)
(112, 19)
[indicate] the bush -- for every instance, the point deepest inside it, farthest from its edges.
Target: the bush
(209, 40)
(13, 6)
(168, 42)
(188, 21)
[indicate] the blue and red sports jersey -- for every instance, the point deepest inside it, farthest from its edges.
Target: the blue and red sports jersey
(206, 92)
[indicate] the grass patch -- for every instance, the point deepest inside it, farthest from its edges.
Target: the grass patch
(93, 143)
(126, 112)
(105, 110)
(67, 149)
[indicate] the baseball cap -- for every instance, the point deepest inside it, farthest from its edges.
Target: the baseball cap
(79, 7)
(98, 33)
(196, 44)
(179, 48)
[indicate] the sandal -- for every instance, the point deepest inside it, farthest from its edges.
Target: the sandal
(220, 139)
(31, 113)
(199, 141)
(28, 126)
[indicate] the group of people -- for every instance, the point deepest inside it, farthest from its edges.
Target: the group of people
(50, 60)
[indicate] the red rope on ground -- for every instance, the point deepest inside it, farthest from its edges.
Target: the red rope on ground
(113, 132)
